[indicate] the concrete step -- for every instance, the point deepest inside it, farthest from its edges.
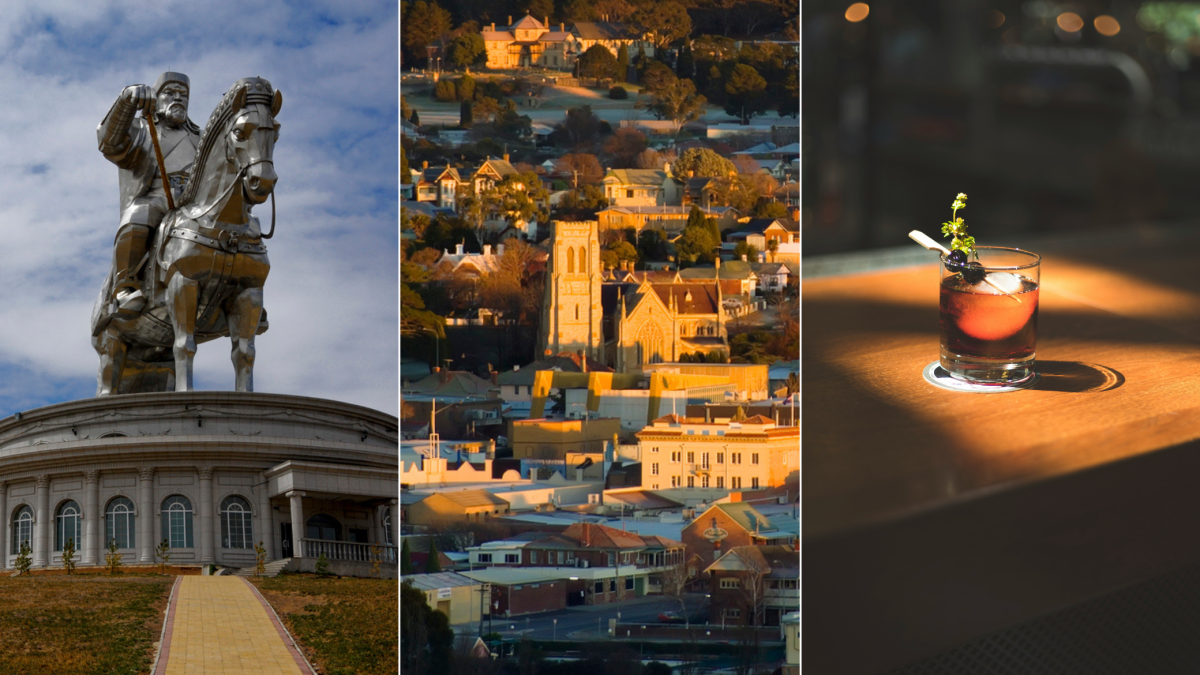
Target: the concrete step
(271, 569)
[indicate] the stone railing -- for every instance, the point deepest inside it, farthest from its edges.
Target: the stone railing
(347, 550)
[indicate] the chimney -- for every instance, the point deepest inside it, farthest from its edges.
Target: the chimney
(582, 362)
(506, 156)
(510, 19)
(743, 257)
(500, 250)
(691, 173)
(562, 27)
(487, 249)
(547, 21)
(493, 26)
(717, 262)
(425, 164)
(458, 250)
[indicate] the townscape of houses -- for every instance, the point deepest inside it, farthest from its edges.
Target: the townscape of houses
(630, 457)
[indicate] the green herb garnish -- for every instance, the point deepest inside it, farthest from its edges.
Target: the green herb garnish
(958, 229)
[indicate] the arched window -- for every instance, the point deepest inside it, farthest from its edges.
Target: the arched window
(583, 260)
(387, 526)
(570, 260)
(236, 527)
(324, 527)
(22, 529)
(68, 524)
(177, 521)
(119, 522)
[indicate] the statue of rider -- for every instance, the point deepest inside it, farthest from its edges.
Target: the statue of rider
(125, 140)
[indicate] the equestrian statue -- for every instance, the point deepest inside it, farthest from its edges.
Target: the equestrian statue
(189, 262)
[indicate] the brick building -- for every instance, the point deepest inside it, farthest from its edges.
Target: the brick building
(724, 527)
(754, 585)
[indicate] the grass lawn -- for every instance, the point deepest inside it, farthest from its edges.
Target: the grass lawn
(84, 623)
(345, 626)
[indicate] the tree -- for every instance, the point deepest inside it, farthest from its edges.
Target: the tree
(580, 124)
(465, 50)
(685, 65)
(665, 22)
(540, 9)
(618, 251)
(406, 565)
(773, 245)
(695, 217)
(696, 245)
(749, 251)
(677, 102)
(486, 108)
(426, 640)
(624, 146)
(648, 159)
(445, 91)
(464, 115)
(424, 23)
(652, 244)
(163, 553)
(788, 100)
(703, 163)
(516, 198)
(598, 63)
(405, 173)
(511, 124)
(68, 555)
(623, 62)
(656, 76)
(579, 10)
(770, 209)
(466, 88)
(583, 166)
(737, 190)
(24, 562)
(416, 119)
(745, 93)
(432, 564)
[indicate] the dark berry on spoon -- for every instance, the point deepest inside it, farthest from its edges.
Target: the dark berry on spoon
(957, 257)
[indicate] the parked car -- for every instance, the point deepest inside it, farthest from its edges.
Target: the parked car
(670, 617)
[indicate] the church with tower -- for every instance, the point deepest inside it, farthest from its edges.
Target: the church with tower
(622, 318)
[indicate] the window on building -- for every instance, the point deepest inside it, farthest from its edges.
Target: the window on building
(387, 526)
(728, 582)
(576, 312)
(612, 585)
(720, 481)
(691, 482)
(119, 522)
(720, 458)
(177, 521)
(570, 260)
(754, 482)
(485, 557)
(732, 613)
(22, 529)
(704, 459)
(324, 527)
(68, 525)
(704, 481)
(610, 559)
(629, 583)
(237, 530)
(735, 482)
(691, 458)
(654, 469)
(674, 481)
(735, 458)
(599, 587)
(674, 456)
(512, 558)
(754, 458)
(629, 194)
(533, 557)
(654, 448)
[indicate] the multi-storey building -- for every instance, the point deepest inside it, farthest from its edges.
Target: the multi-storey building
(752, 454)
(754, 585)
(530, 43)
(641, 187)
(726, 526)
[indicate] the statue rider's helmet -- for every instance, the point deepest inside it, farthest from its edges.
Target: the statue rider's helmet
(169, 77)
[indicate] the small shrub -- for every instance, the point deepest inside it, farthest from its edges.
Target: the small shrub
(445, 91)
(24, 560)
(322, 565)
(163, 553)
(376, 554)
(260, 560)
(618, 93)
(68, 556)
(112, 559)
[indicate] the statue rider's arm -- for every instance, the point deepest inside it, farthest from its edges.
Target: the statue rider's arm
(116, 133)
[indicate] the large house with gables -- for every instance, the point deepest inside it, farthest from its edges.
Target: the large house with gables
(530, 43)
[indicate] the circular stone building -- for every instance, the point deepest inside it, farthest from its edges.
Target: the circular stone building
(212, 473)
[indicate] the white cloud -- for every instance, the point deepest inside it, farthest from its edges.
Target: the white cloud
(331, 294)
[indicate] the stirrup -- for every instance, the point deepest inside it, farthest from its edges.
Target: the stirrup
(128, 298)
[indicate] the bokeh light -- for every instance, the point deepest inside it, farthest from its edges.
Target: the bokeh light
(996, 18)
(1106, 25)
(1070, 22)
(857, 12)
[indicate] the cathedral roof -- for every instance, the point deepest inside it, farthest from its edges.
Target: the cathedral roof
(689, 298)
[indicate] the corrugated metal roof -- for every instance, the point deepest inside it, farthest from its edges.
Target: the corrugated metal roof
(432, 582)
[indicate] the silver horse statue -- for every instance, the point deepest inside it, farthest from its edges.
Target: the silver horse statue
(206, 267)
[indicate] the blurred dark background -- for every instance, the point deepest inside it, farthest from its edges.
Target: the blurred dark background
(1054, 117)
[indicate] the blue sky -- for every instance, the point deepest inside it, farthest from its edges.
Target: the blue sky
(332, 292)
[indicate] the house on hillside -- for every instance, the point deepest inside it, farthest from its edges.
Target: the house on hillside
(611, 35)
(530, 43)
(438, 186)
(641, 187)
(755, 585)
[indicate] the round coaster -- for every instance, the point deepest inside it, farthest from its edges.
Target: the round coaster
(938, 377)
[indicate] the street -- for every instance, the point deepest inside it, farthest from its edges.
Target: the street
(589, 621)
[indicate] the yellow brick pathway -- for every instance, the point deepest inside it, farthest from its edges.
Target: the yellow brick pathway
(220, 627)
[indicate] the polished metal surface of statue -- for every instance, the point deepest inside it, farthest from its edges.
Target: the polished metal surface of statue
(194, 273)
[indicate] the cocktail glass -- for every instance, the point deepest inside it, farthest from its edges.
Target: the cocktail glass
(989, 316)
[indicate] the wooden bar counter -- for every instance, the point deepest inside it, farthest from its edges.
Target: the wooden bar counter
(932, 518)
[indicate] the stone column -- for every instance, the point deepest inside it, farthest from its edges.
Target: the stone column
(93, 519)
(395, 504)
(146, 515)
(266, 524)
(206, 515)
(4, 517)
(297, 522)
(41, 523)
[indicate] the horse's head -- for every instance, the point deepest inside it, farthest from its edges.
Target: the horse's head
(251, 135)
